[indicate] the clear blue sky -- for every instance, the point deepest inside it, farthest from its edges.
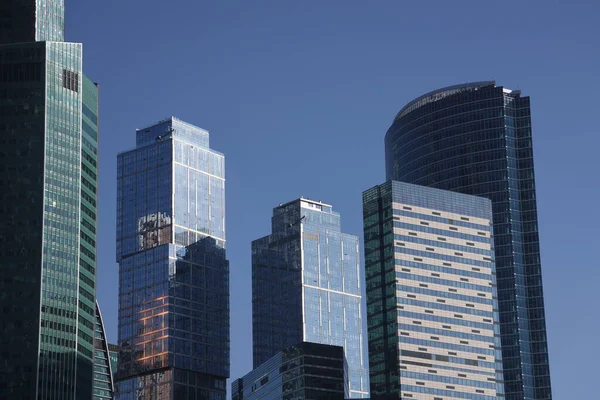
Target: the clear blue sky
(299, 94)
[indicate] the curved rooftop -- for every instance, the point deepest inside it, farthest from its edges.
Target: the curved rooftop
(440, 94)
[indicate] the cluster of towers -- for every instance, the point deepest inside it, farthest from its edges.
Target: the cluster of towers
(451, 275)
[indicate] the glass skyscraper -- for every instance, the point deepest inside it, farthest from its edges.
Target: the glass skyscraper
(24, 21)
(476, 139)
(104, 387)
(432, 307)
(173, 274)
(305, 371)
(48, 181)
(306, 286)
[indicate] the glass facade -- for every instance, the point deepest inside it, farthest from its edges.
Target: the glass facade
(306, 286)
(103, 363)
(304, 371)
(432, 305)
(476, 139)
(24, 21)
(173, 275)
(47, 221)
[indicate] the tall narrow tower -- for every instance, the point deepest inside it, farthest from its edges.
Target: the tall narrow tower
(173, 274)
(306, 287)
(476, 139)
(48, 217)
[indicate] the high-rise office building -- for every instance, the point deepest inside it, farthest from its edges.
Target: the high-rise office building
(306, 286)
(104, 387)
(173, 274)
(431, 294)
(48, 181)
(476, 139)
(303, 371)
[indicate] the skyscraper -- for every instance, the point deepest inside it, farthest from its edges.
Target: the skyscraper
(431, 294)
(104, 387)
(48, 180)
(476, 139)
(304, 371)
(173, 274)
(23, 21)
(306, 286)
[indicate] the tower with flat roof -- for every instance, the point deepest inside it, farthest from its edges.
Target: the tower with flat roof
(48, 212)
(306, 287)
(173, 274)
(431, 294)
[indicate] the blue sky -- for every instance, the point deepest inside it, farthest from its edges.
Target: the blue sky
(299, 95)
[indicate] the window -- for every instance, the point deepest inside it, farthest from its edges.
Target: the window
(70, 80)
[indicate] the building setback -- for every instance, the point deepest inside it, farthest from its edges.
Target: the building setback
(48, 216)
(431, 294)
(304, 371)
(306, 286)
(476, 139)
(173, 274)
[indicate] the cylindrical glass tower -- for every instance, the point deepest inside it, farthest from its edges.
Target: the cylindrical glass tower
(476, 139)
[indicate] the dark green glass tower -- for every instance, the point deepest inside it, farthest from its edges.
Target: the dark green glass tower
(48, 181)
